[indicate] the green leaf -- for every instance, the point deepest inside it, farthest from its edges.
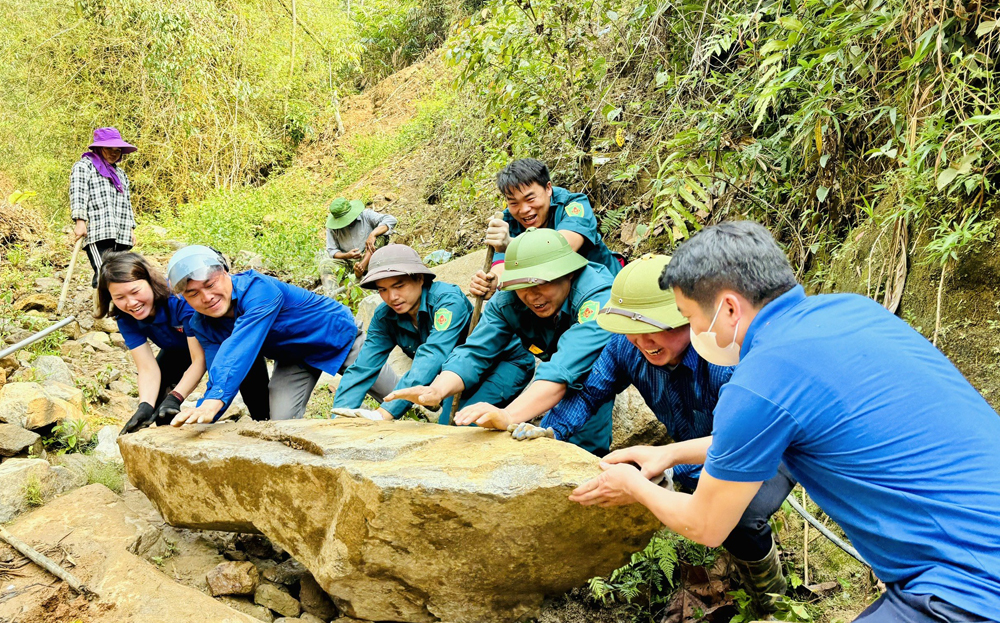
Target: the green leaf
(986, 28)
(821, 193)
(790, 23)
(945, 177)
(823, 160)
(613, 16)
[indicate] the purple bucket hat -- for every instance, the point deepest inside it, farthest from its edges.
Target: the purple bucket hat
(110, 137)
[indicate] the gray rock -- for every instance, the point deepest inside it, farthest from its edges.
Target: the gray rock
(270, 596)
(31, 405)
(26, 482)
(314, 599)
(159, 232)
(107, 445)
(15, 440)
(122, 387)
(118, 341)
(106, 325)
(249, 260)
(52, 369)
(71, 349)
(79, 465)
(85, 320)
(633, 423)
(48, 283)
(99, 340)
(310, 618)
(233, 578)
(247, 607)
(288, 620)
(108, 375)
(287, 573)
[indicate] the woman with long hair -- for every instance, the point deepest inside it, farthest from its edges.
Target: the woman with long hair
(137, 296)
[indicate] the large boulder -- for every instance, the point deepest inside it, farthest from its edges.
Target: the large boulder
(32, 405)
(397, 521)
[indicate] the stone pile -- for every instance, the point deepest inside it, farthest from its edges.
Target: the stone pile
(396, 521)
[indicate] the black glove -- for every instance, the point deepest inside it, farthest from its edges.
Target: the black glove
(142, 418)
(170, 407)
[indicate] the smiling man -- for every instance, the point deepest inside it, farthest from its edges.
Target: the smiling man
(248, 314)
(532, 201)
(550, 298)
(883, 431)
(652, 351)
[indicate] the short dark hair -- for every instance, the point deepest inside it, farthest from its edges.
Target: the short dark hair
(123, 267)
(736, 255)
(521, 173)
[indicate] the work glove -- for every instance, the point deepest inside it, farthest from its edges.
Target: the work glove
(526, 430)
(170, 407)
(665, 480)
(498, 233)
(367, 414)
(142, 418)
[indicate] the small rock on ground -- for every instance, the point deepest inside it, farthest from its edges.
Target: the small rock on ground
(14, 440)
(233, 578)
(27, 482)
(314, 599)
(270, 596)
(244, 605)
(287, 573)
(52, 369)
(107, 445)
(309, 618)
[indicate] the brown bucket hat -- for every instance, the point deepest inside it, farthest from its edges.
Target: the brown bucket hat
(393, 260)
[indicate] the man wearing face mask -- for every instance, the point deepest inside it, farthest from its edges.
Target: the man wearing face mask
(883, 431)
(549, 300)
(652, 350)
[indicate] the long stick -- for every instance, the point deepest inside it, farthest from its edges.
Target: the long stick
(69, 275)
(477, 309)
(45, 563)
(37, 336)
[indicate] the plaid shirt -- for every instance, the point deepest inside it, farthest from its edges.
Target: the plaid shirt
(93, 198)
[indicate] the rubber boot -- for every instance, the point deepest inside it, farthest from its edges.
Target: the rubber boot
(764, 579)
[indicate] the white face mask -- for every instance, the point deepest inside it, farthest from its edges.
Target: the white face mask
(706, 345)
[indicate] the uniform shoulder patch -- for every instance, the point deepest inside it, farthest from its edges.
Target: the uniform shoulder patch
(574, 209)
(442, 319)
(588, 311)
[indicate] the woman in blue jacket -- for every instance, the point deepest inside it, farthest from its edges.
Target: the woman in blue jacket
(137, 296)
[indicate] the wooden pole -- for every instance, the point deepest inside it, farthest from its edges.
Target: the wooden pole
(476, 312)
(46, 563)
(69, 275)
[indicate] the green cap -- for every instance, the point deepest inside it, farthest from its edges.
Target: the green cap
(538, 256)
(637, 304)
(343, 212)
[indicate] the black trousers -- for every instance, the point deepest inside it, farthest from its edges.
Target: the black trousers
(96, 251)
(174, 362)
(751, 539)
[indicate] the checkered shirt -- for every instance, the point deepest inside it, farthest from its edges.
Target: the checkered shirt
(94, 198)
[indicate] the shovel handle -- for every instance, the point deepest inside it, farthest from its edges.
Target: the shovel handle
(69, 275)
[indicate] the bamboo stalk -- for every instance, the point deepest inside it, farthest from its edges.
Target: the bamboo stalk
(46, 563)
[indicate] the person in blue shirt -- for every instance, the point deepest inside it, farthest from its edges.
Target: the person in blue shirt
(240, 317)
(532, 201)
(888, 437)
(137, 296)
(549, 300)
(427, 319)
(652, 350)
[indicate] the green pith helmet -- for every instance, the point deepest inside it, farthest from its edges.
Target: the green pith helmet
(637, 304)
(538, 256)
(344, 212)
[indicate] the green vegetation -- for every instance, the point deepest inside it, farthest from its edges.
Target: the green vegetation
(33, 492)
(111, 475)
(70, 436)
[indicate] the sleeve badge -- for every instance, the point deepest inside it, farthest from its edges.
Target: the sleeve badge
(575, 209)
(442, 319)
(588, 311)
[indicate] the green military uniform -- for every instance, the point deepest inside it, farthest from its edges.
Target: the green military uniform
(568, 343)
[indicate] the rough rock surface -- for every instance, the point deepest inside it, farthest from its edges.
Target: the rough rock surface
(233, 578)
(270, 596)
(21, 480)
(104, 538)
(314, 599)
(394, 518)
(14, 440)
(37, 302)
(96, 339)
(633, 423)
(246, 606)
(32, 405)
(459, 271)
(52, 369)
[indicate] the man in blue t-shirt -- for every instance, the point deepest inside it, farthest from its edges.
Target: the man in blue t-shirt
(532, 201)
(883, 431)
